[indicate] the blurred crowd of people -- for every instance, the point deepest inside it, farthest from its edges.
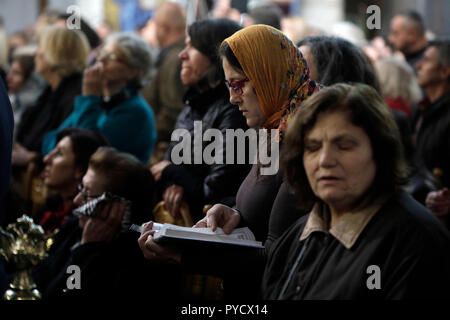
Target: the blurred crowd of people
(363, 127)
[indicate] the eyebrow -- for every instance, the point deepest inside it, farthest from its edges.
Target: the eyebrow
(338, 138)
(235, 79)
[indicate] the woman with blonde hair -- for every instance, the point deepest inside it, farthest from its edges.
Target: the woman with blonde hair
(60, 60)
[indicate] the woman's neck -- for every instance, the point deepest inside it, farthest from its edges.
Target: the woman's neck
(53, 80)
(68, 195)
(336, 213)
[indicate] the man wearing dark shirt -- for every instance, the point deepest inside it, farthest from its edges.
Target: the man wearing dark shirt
(407, 35)
(431, 123)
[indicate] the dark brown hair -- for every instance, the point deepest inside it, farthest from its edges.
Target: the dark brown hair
(127, 177)
(368, 111)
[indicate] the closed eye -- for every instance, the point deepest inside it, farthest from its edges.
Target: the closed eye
(312, 146)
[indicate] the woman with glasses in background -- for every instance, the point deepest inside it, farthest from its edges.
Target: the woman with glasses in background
(110, 102)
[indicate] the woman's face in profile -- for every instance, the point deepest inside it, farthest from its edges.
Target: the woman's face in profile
(307, 54)
(60, 172)
(243, 95)
(194, 64)
(338, 160)
(15, 77)
(41, 64)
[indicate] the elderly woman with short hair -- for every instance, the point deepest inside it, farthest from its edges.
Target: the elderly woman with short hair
(110, 102)
(364, 237)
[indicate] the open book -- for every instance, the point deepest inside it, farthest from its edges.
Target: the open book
(239, 237)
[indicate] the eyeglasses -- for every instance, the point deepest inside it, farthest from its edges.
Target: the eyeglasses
(85, 195)
(237, 85)
(111, 57)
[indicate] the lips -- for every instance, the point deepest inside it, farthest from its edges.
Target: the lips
(328, 178)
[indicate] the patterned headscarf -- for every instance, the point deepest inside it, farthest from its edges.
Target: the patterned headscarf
(277, 71)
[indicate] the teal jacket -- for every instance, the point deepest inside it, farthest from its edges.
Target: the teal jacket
(129, 126)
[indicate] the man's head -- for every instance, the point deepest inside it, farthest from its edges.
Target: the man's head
(433, 70)
(407, 32)
(170, 23)
(266, 13)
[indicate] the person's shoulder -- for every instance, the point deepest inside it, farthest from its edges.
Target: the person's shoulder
(415, 221)
(296, 228)
(72, 83)
(137, 105)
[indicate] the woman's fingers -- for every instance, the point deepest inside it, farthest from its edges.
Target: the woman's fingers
(201, 224)
(232, 223)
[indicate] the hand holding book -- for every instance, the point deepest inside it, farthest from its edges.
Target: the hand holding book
(220, 216)
(169, 233)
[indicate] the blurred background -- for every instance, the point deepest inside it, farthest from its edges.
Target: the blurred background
(131, 14)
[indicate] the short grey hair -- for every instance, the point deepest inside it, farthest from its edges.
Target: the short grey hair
(137, 52)
(397, 80)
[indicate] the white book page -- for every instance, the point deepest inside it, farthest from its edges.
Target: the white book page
(243, 235)
(239, 233)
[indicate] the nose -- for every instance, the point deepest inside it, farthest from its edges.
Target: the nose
(418, 64)
(234, 97)
(182, 55)
(78, 200)
(48, 158)
(327, 157)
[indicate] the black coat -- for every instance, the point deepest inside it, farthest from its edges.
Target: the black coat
(115, 270)
(206, 183)
(407, 243)
(6, 137)
(433, 138)
(51, 109)
(268, 208)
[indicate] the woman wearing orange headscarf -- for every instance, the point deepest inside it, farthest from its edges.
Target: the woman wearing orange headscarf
(268, 80)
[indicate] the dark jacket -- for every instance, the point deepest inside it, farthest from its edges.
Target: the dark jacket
(114, 270)
(206, 183)
(51, 109)
(6, 137)
(407, 243)
(268, 208)
(433, 138)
